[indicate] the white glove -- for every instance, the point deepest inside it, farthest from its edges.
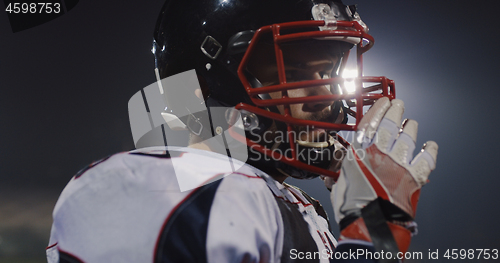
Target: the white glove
(379, 163)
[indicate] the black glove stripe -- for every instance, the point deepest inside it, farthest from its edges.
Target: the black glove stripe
(380, 233)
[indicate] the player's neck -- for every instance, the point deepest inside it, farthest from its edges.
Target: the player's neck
(278, 177)
(195, 142)
(275, 174)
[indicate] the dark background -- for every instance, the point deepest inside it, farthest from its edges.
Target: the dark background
(65, 86)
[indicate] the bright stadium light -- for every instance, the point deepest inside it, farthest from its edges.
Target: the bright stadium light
(349, 75)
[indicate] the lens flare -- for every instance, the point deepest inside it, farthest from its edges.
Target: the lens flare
(349, 75)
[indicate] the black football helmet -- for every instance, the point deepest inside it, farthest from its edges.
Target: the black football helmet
(217, 38)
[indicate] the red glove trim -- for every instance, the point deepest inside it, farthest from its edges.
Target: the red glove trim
(377, 186)
(357, 230)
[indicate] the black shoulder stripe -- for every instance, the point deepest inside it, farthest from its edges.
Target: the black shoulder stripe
(167, 154)
(68, 258)
(184, 235)
(297, 234)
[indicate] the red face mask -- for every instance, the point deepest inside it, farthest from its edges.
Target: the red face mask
(367, 89)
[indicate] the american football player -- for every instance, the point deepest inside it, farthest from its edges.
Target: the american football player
(257, 84)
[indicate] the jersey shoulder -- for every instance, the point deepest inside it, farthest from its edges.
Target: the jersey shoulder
(171, 169)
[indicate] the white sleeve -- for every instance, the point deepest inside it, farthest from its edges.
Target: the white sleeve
(51, 250)
(115, 211)
(245, 223)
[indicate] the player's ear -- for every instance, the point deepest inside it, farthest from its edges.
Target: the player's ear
(199, 94)
(204, 92)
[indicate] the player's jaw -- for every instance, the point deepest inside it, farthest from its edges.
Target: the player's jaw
(311, 133)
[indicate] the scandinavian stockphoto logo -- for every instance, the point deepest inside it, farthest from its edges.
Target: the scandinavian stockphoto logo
(307, 144)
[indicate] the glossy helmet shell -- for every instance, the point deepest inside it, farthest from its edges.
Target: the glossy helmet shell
(183, 26)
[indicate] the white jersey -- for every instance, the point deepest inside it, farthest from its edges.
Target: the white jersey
(129, 208)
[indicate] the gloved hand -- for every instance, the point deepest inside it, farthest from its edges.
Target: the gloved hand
(379, 168)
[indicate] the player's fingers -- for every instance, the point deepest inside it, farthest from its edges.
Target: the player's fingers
(402, 150)
(431, 147)
(389, 127)
(395, 112)
(410, 127)
(370, 122)
(424, 162)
